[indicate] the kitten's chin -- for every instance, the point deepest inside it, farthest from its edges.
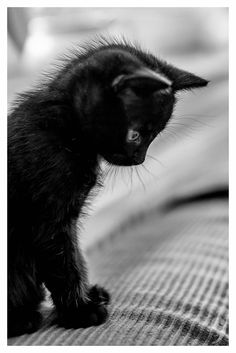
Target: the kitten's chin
(122, 160)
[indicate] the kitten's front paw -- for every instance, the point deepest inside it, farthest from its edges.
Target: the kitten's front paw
(99, 295)
(92, 313)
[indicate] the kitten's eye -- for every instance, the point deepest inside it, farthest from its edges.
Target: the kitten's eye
(133, 136)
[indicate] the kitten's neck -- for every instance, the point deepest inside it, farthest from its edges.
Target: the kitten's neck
(65, 115)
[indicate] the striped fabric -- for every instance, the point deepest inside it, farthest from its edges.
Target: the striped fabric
(167, 273)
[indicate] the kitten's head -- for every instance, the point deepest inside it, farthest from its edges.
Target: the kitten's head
(129, 99)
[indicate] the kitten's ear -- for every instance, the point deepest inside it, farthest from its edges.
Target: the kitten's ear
(142, 82)
(183, 80)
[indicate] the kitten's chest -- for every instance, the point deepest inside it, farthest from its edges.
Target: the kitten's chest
(85, 180)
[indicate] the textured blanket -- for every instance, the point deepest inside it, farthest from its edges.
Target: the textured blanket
(167, 274)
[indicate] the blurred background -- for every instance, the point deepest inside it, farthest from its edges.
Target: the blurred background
(192, 154)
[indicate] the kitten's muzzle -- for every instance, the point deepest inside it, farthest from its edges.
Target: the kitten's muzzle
(123, 160)
(139, 159)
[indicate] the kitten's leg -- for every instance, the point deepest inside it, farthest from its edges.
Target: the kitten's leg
(64, 272)
(24, 295)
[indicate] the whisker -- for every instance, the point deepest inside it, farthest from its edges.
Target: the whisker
(124, 173)
(156, 160)
(203, 115)
(112, 178)
(115, 176)
(107, 171)
(131, 177)
(188, 118)
(148, 171)
(139, 178)
(179, 124)
(171, 134)
(129, 171)
(187, 128)
(175, 132)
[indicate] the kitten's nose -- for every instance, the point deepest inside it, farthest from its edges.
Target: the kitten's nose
(133, 137)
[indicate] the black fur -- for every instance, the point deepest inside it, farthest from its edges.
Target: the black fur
(57, 134)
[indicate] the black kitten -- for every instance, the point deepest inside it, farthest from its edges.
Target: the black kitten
(109, 101)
